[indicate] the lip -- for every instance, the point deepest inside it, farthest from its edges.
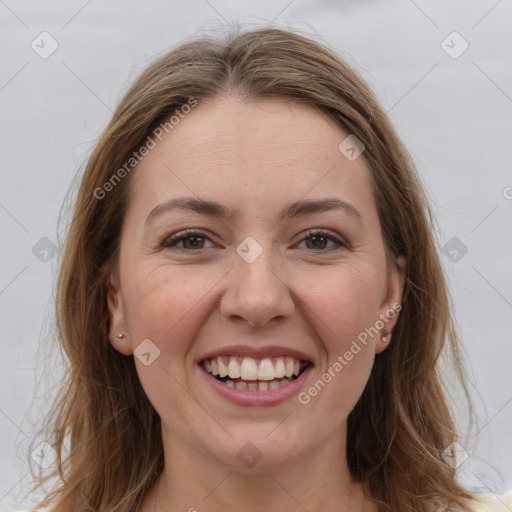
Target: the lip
(257, 398)
(256, 353)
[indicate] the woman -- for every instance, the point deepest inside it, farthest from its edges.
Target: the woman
(251, 300)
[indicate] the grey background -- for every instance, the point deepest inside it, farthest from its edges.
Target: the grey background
(453, 114)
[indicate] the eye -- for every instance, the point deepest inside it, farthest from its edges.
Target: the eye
(192, 238)
(320, 239)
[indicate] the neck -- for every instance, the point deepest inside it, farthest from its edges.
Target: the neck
(195, 482)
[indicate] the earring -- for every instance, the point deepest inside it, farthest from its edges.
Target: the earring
(385, 335)
(120, 335)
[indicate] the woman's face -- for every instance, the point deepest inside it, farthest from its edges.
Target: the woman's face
(284, 272)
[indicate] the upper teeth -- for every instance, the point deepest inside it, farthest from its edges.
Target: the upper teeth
(248, 368)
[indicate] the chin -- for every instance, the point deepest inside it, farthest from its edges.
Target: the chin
(256, 450)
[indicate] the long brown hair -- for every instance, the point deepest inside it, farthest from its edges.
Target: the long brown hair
(402, 422)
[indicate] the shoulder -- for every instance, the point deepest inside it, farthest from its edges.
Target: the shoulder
(494, 502)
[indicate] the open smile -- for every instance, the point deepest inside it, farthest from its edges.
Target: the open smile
(255, 381)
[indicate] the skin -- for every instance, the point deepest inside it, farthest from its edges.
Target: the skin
(253, 158)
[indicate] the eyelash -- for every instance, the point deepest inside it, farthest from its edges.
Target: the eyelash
(175, 239)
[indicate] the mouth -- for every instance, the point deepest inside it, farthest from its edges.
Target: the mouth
(253, 374)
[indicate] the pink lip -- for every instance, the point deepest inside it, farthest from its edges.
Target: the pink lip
(257, 398)
(256, 353)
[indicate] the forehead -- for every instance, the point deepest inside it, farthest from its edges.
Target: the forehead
(262, 150)
(236, 129)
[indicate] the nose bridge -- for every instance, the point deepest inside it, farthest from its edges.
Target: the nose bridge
(256, 291)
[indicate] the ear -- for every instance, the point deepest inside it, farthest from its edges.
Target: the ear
(116, 315)
(392, 303)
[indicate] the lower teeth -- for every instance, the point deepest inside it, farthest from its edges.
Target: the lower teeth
(264, 385)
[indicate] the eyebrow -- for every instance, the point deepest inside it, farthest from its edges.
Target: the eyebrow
(214, 209)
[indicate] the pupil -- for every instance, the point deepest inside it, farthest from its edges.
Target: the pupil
(194, 244)
(317, 238)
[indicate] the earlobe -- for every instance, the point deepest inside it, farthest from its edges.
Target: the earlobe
(392, 304)
(117, 332)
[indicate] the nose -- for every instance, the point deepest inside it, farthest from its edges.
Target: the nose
(256, 292)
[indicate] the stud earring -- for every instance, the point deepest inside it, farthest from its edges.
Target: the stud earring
(120, 335)
(385, 335)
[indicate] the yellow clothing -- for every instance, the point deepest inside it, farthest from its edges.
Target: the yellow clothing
(494, 503)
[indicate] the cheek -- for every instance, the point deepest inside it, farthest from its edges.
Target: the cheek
(166, 306)
(158, 299)
(344, 309)
(345, 302)
(342, 376)
(169, 304)
(340, 386)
